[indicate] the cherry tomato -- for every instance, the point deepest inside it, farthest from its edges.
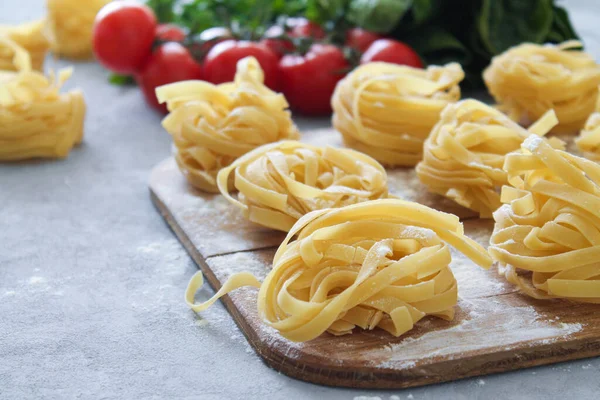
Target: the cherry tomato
(278, 46)
(391, 51)
(170, 33)
(123, 36)
(361, 39)
(301, 27)
(170, 62)
(308, 81)
(220, 62)
(208, 39)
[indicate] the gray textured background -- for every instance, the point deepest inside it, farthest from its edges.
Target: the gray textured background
(92, 280)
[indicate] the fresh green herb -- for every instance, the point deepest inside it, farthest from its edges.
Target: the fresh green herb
(121, 80)
(378, 16)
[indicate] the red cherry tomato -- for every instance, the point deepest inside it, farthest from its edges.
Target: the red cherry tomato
(391, 51)
(278, 46)
(170, 62)
(308, 81)
(301, 27)
(361, 39)
(170, 33)
(221, 61)
(123, 36)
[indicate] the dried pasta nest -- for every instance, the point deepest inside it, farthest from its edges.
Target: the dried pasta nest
(387, 110)
(279, 183)
(381, 263)
(70, 25)
(30, 36)
(588, 141)
(464, 155)
(547, 233)
(212, 125)
(36, 120)
(530, 79)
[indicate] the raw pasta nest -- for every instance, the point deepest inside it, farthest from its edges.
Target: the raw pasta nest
(464, 155)
(212, 125)
(547, 233)
(36, 120)
(30, 36)
(387, 110)
(279, 183)
(588, 141)
(70, 24)
(382, 263)
(530, 79)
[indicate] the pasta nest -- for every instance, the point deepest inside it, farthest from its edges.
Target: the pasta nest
(382, 263)
(547, 233)
(530, 79)
(212, 125)
(588, 141)
(70, 26)
(29, 36)
(279, 183)
(36, 120)
(464, 155)
(387, 110)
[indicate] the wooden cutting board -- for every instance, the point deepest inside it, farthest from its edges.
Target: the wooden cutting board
(495, 329)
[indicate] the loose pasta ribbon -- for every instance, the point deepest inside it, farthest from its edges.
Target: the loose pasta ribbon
(387, 110)
(212, 125)
(70, 26)
(530, 79)
(381, 263)
(30, 36)
(588, 141)
(279, 183)
(464, 155)
(547, 233)
(36, 120)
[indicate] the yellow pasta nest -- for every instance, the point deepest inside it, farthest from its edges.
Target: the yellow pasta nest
(29, 36)
(530, 79)
(547, 233)
(588, 141)
(387, 110)
(464, 154)
(70, 24)
(382, 263)
(212, 125)
(36, 120)
(279, 183)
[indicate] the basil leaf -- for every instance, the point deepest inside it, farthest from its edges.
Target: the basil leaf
(422, 10)
(438, 46)
(561, 27)
(163, 9)
(378, 15)
(505, 23)
(121, 80)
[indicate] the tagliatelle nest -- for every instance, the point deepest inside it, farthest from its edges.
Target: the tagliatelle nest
(381, 263)
(464, 155)
(588, 141)
(387, 110)
(30, 36)
(547, 233)
(36, 120)
(530, 79)
(281, 182)
(212, 125)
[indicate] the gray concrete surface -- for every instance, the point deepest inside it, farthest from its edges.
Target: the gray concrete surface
(92, 280)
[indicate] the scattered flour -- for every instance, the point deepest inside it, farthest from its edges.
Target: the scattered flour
(36, 280)
(367, 398)
(480, 382)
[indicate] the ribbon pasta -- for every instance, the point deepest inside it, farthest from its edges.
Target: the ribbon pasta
(36, 120)
(30, 36)
(279, 183)
(530, 79)
(464, 154)
(588, 141)
(381, 263)
(547, 233)
(212, 125)
(387, 110)
(70, 24)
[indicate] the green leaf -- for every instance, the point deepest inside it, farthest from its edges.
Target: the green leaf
(437, 46)
(197, 16)
(422, 10)
(561, 27)
(378, 15)
(121, 80)
(163, 9)
(505, 23)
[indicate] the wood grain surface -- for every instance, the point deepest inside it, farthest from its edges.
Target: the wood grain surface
(495, 329)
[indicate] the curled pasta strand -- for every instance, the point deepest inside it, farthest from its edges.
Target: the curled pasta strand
(30, 36)
(530, 79)
(588, 141)
(381, 263)
(387, 110)
(547, 233)
(279, 183)
(212, 125)
(465, 152)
